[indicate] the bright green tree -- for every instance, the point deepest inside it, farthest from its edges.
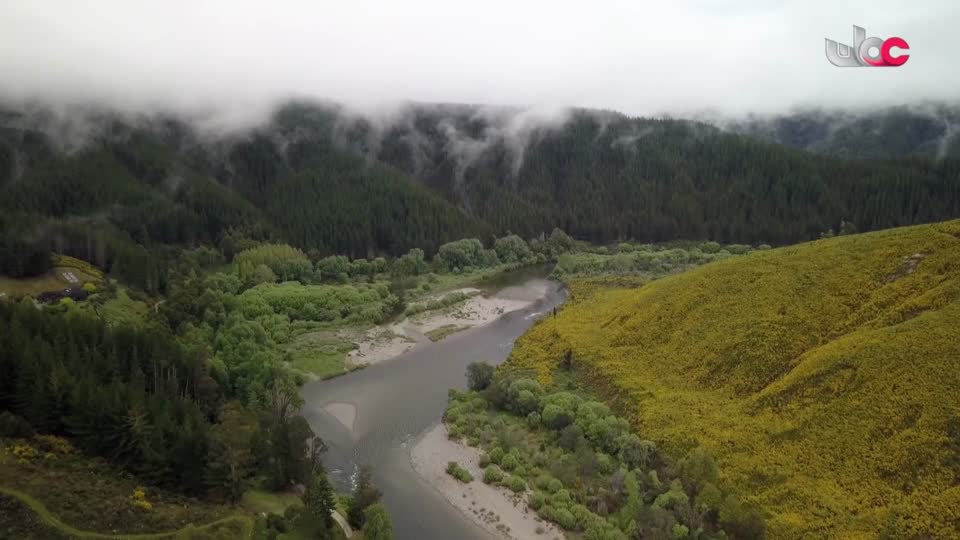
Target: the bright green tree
(377, 526)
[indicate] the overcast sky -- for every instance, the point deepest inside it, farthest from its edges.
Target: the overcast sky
(636, 56)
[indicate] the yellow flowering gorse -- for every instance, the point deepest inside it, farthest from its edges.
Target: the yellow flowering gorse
(823, 376)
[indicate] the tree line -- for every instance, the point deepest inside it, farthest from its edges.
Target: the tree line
(147, 403)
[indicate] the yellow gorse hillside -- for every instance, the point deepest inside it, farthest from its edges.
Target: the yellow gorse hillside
(825, 377)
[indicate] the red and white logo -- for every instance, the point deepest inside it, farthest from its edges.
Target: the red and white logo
(862, 54)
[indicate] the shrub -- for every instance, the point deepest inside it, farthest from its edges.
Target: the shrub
(496, 455)
(509, 462)
(536, 500)
(636, 452)
(333, 266)
(460, 254)
(54, 444)
(276, 522)
(564, 519)
(570, 437)
(377, 525)
(741, 520)
(561, 498)
(411, 264)
(139, 499)
(511, 249)
(554, 485)
(582, 516)
(455, 470)
(605, 463)
(454, 412)
(24, 452)
(479, 375)
(675, 496)
(653, 479)
(477, 404)
(601, 530)
(438, 303)
(710, 247)
(517, 485)
(287, 262)
(492, 474)
(525, 395)
(542, 480)
(697, 469)
(484, 460)
(709, 499)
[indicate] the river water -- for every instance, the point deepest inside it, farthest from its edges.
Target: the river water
(397, 400)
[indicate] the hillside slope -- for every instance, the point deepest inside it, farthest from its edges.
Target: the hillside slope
(322, 177)
(605, 176)
(926, 129)
(823, 376)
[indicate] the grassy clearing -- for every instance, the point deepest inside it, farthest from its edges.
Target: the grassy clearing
(51, 281)
(92, 496)
(445, 301)
(258, 501)
(121, 309)
(433, 283)
(822, 376)
(445, 331)
(320, 353)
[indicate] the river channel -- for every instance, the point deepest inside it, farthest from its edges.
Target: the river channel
(395, 401)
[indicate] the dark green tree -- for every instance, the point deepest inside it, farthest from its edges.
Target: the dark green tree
(364, 495)
(319, 502)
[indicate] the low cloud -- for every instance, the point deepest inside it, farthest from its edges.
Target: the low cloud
(229, 61)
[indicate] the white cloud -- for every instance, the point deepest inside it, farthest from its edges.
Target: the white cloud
(635, 56)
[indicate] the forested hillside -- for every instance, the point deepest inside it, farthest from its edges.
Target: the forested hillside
(928, 130)
(603, 176)
(129, 189)
(822, 376)
(116, 190)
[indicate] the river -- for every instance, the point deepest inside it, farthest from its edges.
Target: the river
(397, 400)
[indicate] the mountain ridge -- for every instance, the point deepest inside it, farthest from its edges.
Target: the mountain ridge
(335, 181)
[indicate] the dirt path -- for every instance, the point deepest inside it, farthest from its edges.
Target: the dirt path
(347, 530)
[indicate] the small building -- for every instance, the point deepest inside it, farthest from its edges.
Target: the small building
(77, 294)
